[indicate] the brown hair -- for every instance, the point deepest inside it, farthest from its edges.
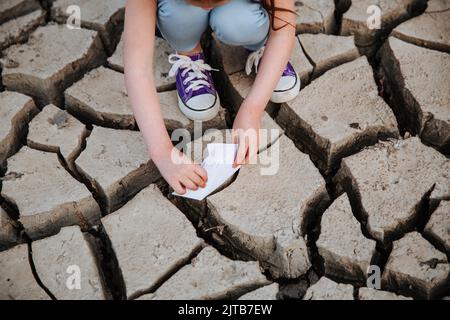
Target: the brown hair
(271, 9)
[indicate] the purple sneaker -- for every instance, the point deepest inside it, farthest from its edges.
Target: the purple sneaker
(197, 96)
(289, 85)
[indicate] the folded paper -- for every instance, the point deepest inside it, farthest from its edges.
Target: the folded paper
(219, 167)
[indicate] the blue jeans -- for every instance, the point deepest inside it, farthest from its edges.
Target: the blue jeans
(237, 23)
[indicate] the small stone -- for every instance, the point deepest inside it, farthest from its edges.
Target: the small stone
(328, 51)
(326, 289)
(18, 30)
(430, 30)
(16, 279)
(8, 232)
(419, 77)
(356, 102)
(15, 113)
(374, 294)
(390, 181)
(346, 252)
(315, 16)
(210, 276)
(53, 57)
(265, 293)
(105, 16)
(10, 9)
(161, 65)
(268, 223)
(117, 165)
(59, 258)
(34, 176)
(150, 237)
(438, 227)
(416, 268)
(55, 130)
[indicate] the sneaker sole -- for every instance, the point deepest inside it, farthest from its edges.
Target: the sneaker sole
(199, 115)
(288, 95)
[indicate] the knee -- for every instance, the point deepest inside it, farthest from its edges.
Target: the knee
(178, 12)
(240, 23)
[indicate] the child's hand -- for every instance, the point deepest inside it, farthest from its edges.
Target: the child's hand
(180, 172)
(246, 133)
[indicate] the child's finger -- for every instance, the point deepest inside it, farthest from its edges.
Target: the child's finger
(252, 152)
(178, 188)
(196, 179)
(202, 173)
(188, 183)
(241, 153)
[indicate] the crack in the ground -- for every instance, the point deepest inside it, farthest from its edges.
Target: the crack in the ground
(13, 212)
(35, 274)
(107, 263)
(170, 272)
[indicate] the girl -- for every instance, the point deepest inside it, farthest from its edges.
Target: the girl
(265, 28)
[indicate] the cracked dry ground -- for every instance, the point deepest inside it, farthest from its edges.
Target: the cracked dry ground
(364, 173)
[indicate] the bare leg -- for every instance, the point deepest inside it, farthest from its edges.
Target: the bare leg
(197, 49)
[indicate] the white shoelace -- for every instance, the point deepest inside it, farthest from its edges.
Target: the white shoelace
(194, 69)
(253, 60)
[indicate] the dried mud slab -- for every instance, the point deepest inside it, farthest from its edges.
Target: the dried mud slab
(374, 294)
(104, 16)
(438, 227)
(328, 51)
(151, 238)
(18, 30)
(268, 223)
(355, 20)
(62, 257)
(389, 184)
(315, 16)
(46, 196)
(416, 268)
(430, 30)
(210, 276)
(346, 252)
(326, 289)
(418, 79)
(55, 130)
(16, 112)
(268, 292)
(16, 279)
(116, 165)
(53, 58)
(334, 123)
